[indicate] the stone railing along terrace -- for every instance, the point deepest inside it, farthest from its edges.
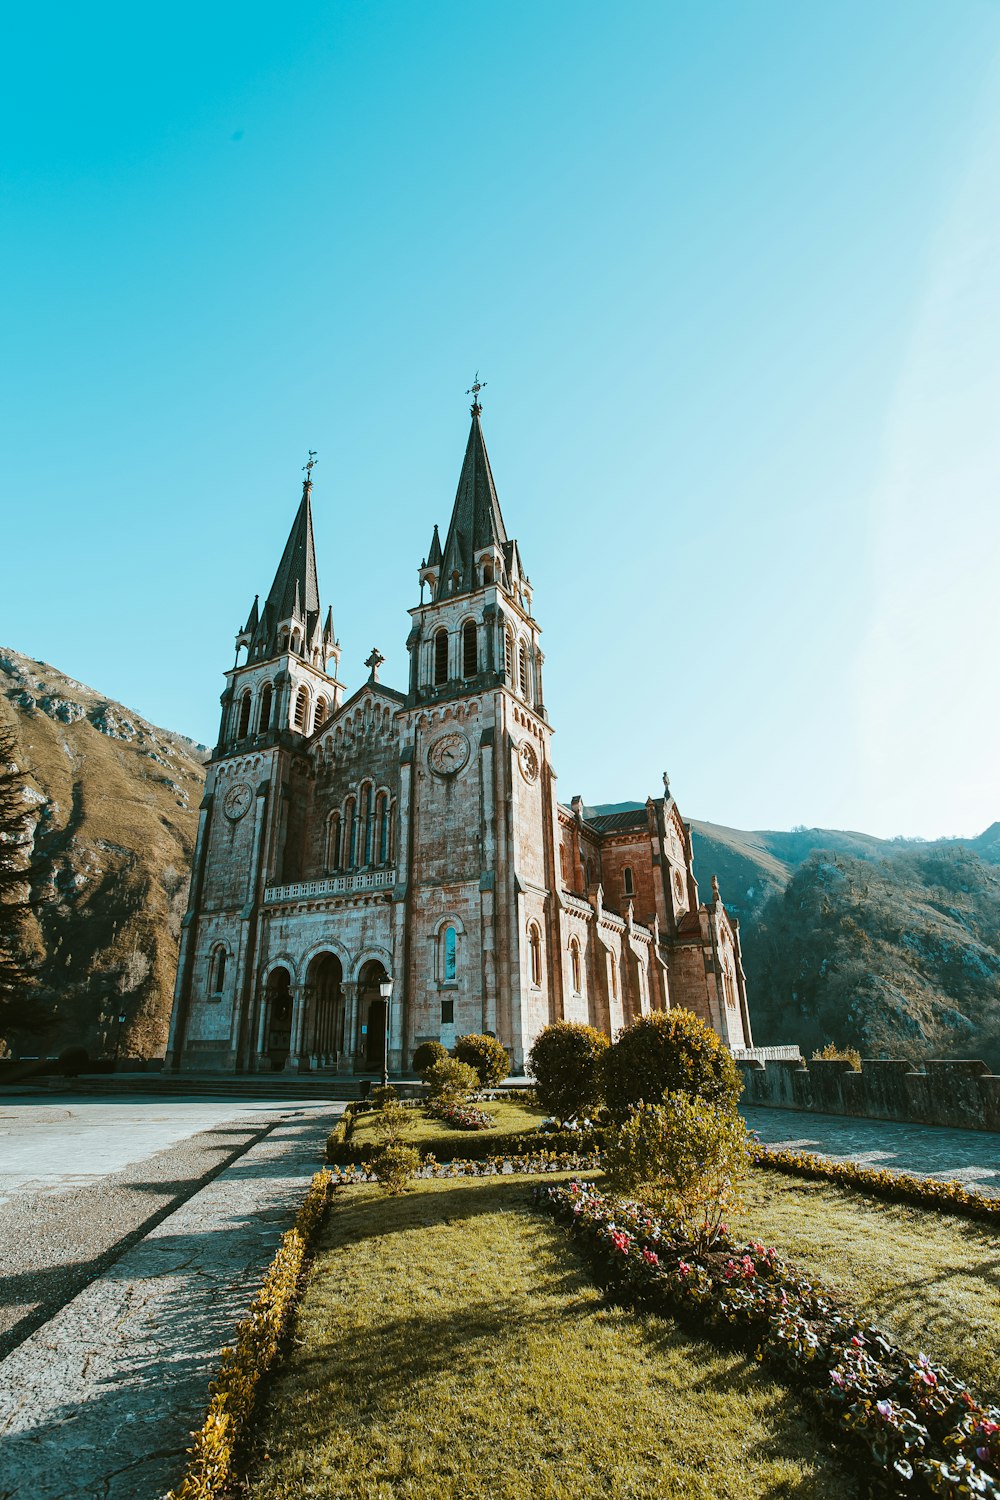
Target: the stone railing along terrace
(955, 1092)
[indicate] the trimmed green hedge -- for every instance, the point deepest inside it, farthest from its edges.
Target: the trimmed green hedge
(343, 1152)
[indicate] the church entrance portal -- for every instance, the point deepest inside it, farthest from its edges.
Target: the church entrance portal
(323, 1035)
(278, 1040)
(372, 1008)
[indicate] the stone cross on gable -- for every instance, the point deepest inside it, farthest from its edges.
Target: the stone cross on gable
(374, 661)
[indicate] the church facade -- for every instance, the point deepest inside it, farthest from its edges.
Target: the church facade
(412, 841)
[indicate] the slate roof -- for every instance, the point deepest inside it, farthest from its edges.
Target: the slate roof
(615, 822)
(294, 594)
(476, 520)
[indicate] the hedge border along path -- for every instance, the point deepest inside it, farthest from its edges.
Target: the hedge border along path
(258, 1338)
(879, 1182)
(914, 1424)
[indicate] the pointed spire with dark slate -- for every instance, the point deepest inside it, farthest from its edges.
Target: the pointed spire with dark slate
(295, 590)
(434, 555)
(476, 521)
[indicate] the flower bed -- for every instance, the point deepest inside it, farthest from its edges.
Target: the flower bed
(234, 1390)
(488, 1166)
(462, 1116)
(894, 1187)
(916, 1424)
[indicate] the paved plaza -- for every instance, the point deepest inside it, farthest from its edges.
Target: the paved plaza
(133, 1235)
(971, 1157)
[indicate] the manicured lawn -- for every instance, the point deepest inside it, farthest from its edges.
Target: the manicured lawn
(450, 1345)
(511, 1119)
(931, 1281)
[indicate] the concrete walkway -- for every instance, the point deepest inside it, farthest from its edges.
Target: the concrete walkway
(971, 1157)
(100, 1400)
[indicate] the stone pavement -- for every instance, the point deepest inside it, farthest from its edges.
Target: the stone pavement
(971, 1157)
(100, 1400)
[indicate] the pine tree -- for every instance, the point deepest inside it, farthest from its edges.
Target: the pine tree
(14, 872)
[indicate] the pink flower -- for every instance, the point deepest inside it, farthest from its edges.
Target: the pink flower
(651, 1258)
(683, 1269)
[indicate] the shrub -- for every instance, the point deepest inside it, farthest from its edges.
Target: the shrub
(668, 1052)
(832, 1053)
(486, 1055)
(384, 1094)
(450, 1081)
(393, 1121)
(565, 1063)
(427, 1054)
(394, 1165)
(685, 1158)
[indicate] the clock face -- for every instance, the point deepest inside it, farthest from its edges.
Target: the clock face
(449, 754)
(237, 800)
(527, 758)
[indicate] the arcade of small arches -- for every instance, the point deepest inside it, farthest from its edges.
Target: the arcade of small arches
(323, 1021)
(254, 713)
(361, 832)
(457, 654)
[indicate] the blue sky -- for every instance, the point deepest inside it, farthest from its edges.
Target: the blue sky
(728, 269)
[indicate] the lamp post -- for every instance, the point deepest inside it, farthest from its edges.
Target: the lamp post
(385, 990)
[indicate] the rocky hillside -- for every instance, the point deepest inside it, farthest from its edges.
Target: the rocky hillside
(890, 946)
(116, 804)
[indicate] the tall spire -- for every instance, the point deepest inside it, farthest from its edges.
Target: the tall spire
(295, 590)
(476, 520)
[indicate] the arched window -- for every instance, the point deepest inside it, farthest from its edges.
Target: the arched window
(574, 963)
(487, 573)
(301, 715)
(350, 834)
(562, 862)
(320, 716)
(333, 841)
(627, 881)
(365, 829)
(613, 969)
(382, 827)
(522, 669)
(470, 649)
(265, 707)
(440, 658)
(449, 955)
(217, 970)
(535, 953)
(508, 656)
(244, 725)
(590, 872)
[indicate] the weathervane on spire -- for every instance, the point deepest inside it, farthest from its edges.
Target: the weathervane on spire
(308, 469)
(473, 391)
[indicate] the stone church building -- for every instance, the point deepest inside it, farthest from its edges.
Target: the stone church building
(416, 836)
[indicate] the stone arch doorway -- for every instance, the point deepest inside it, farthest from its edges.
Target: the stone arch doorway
(373, 1012)
(278, 1030)
(323, 1036)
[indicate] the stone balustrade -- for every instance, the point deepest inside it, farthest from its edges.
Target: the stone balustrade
(332, 885)
(948, 1091)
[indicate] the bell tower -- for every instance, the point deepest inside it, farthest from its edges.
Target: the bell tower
(282, 690)
(474, 627)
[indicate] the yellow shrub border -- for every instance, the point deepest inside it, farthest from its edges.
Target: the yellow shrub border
(234, 1390)
(879, 1182)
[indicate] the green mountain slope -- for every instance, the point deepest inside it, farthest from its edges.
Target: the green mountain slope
(889, 945)
(116, 802)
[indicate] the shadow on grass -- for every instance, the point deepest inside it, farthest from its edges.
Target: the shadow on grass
(357, 1383)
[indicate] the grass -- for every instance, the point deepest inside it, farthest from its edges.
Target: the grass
(511, 1119)
(450, 1345)
(929, 1280)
